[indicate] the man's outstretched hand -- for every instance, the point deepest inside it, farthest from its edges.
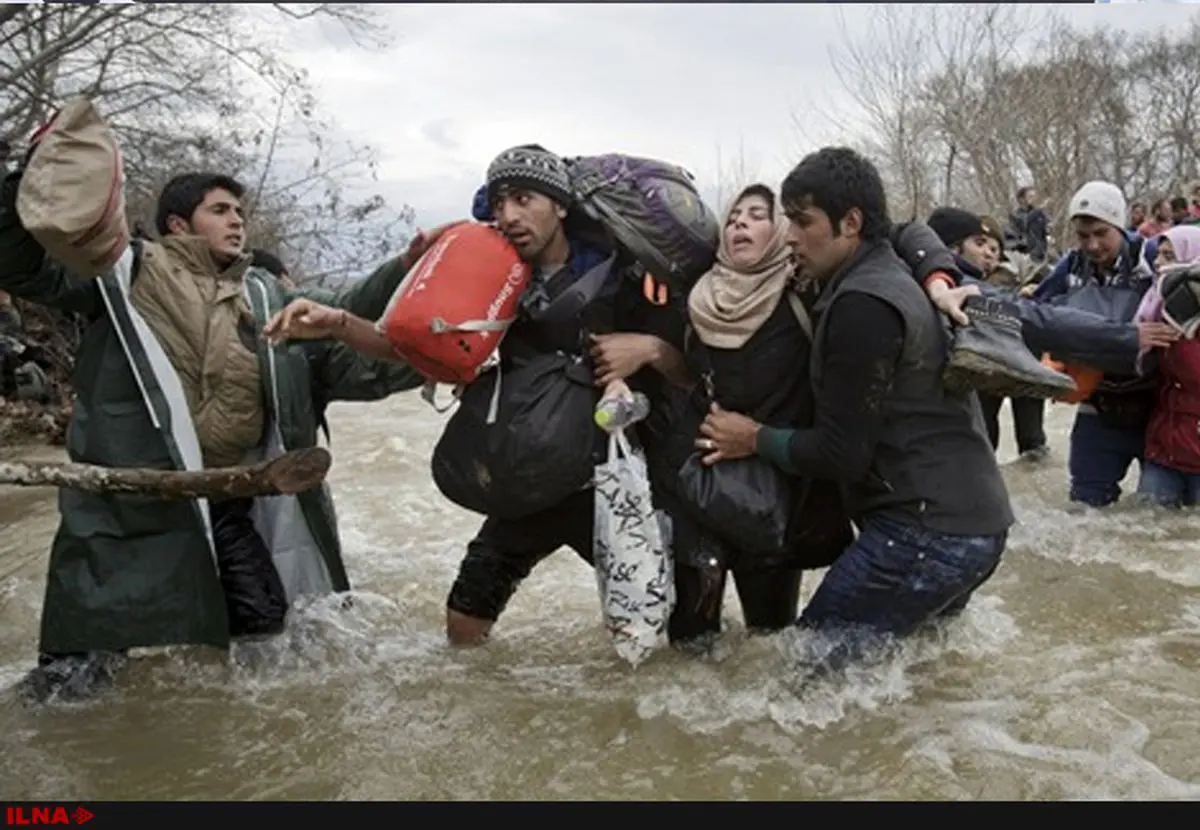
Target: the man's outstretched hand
(424, 240)
(304, 320)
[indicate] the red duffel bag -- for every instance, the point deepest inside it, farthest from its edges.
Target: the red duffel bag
(448, 316)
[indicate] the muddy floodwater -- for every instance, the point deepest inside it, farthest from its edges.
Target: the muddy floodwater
(1074, 675)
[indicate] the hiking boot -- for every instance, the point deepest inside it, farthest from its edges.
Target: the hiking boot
(990, 355)
(70, 677)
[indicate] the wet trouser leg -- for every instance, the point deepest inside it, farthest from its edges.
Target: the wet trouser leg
(1168, 488)
(698, 598)
(1028, 419)
(504, 552)
(254, 593)
(254, 596)
(1100, 457)
(893, 579)
(769, 599)
(990, 405)
(1028, 416)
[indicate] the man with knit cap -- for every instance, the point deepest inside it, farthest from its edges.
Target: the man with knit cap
(570, 309)
(964, 233)
(1107, 273)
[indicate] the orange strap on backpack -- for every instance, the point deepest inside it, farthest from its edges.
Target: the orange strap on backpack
(654, 291)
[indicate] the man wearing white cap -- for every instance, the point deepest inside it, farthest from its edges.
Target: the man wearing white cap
(1107, 274)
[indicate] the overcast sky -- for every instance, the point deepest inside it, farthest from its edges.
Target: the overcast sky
(463, 82)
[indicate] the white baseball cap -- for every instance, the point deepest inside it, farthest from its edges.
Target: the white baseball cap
(1100, 200)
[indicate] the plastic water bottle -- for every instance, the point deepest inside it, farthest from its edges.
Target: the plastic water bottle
(620, 411)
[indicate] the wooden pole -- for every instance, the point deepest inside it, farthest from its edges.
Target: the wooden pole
(291, 473)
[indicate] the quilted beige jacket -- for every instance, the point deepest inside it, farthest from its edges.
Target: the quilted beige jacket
(200, 316)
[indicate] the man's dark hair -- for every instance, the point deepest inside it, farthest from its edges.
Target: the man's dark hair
(183, 194)
(836, 180)
(1024, 191)
(268, 260)
(1179, 203)
(1137, 205)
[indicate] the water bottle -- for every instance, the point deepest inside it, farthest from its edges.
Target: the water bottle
(620, 411)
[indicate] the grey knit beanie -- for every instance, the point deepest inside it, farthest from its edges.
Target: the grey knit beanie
(530, 167)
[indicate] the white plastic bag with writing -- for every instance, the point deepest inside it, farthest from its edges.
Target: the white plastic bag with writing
(634, 568)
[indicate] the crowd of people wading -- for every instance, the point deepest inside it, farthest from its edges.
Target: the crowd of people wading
(815, 387)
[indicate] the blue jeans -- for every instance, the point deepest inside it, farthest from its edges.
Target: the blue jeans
(895, 578)
(1100, 458)
(1168, 488)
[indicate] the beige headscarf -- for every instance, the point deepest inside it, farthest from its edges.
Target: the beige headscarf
(728, 306)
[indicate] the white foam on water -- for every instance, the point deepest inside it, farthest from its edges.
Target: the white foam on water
(1119, 535)
(368, 701)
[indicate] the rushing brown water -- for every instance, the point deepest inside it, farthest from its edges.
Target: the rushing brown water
(1073, 675)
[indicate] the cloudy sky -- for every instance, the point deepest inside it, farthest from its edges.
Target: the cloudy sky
(678, 82)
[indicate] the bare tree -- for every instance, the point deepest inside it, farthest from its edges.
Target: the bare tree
(203, 87)
(1167, 75)
(882, 72)
(971, 102)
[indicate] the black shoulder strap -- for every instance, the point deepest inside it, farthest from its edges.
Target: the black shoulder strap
(692, 343)
(137, 245)
(580, 289)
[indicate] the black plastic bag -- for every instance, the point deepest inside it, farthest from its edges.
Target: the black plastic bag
(254, 593)
(539, 449)
(747, 503)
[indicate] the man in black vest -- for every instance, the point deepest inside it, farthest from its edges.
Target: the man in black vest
(918, 475)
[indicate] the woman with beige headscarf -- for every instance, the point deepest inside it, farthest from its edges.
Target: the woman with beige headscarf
(733, 509)
(748, 344)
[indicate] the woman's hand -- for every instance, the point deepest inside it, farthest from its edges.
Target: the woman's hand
(726, 436)
(619, 356)
(304, 320)
(1156, 335)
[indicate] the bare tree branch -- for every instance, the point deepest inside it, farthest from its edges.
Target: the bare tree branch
(190, 87)
(972, 102)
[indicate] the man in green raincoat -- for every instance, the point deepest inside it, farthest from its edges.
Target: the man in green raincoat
(173, 373)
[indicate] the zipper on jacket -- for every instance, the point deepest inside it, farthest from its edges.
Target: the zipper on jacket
(271, 368)
(211, 302)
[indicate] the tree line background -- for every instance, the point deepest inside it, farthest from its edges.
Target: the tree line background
(958, 105)
(189, 87)
(961, 105)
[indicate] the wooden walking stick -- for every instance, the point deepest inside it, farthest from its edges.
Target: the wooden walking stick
(290, 473)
